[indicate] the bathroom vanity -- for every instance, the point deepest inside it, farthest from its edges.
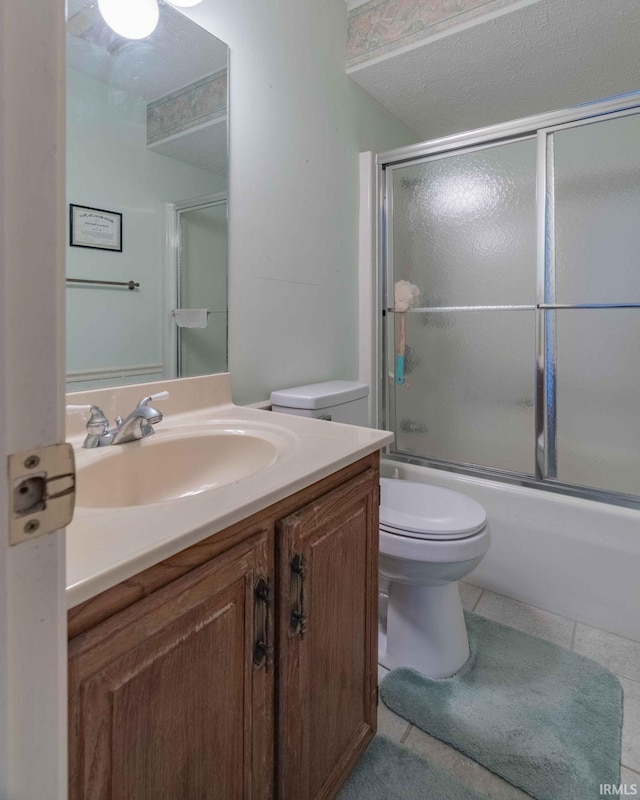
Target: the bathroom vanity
(240, 660)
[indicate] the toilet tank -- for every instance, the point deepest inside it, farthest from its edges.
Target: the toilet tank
(339, 401)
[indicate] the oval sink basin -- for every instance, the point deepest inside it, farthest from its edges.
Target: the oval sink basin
(157, 469)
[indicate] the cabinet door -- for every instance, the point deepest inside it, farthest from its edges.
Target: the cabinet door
(327, 638)
(166, 701)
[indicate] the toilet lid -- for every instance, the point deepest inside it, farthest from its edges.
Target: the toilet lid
(430, 512)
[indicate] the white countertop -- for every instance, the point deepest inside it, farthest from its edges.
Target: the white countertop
(108, 545)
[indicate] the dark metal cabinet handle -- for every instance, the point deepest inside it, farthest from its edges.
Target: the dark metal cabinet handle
(263, 648)
(298, 621)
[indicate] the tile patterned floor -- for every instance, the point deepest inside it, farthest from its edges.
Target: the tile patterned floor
(620, 655)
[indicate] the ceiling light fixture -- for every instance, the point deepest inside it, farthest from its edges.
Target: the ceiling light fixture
(133, 19)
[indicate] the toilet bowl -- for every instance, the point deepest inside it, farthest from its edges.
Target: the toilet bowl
(430, 538)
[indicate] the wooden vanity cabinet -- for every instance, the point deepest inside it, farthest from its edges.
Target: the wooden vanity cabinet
(327, 638)
(165, 701)
(243, 667)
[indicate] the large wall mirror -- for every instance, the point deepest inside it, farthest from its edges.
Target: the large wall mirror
(147, 143)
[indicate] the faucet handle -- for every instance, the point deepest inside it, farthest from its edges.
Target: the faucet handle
(159, 396)
(71, 408)
(98, 424)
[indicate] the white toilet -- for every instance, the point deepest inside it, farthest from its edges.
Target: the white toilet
(430, 537)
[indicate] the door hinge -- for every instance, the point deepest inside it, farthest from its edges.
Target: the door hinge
(42, 491)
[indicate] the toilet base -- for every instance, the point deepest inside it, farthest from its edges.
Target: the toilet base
(425, 630)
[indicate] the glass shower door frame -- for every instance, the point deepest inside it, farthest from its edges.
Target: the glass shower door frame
(388, 282)
(545, 413)
(548, 308)
(172, 291)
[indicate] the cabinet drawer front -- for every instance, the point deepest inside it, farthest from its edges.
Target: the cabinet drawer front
(328, 670)
(166, 699)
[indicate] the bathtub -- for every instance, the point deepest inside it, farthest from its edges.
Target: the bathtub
(574, 557)
(570, 556)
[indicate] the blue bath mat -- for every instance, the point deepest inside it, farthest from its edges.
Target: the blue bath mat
(390, 772)
(545, 719)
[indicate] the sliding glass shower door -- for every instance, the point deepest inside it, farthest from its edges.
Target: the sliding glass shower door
(464, 232)
(519, 359)
(594, 267)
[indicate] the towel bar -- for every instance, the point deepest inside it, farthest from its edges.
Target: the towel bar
(131, 285)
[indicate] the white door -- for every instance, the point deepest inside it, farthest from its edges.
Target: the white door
(32, 230)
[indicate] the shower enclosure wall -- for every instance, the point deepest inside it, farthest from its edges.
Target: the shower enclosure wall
(522, 357)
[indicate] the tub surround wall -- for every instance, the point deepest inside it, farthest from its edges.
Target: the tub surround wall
(570, 556)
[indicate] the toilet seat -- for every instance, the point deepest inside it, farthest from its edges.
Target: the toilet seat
(429, 536)
(421, 511)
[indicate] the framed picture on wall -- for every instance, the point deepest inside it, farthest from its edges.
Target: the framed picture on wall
(95, 228)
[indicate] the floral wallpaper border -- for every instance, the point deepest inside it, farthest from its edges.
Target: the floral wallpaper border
(202, 101)
(382, 26)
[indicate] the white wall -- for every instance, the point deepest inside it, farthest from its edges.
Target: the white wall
(110, 167)
(297, 126)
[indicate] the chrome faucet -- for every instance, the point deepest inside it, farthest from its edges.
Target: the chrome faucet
(138, 425)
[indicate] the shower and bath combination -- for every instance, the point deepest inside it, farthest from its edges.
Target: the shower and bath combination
(519, 362)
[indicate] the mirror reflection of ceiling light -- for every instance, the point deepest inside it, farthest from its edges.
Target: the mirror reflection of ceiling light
(136, 19)
(183, 3)
(133, 19)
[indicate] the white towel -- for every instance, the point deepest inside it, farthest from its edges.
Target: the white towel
(191, 317)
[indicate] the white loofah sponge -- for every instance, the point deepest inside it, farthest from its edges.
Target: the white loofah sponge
(407, 295)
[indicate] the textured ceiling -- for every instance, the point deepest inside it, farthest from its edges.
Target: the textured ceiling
(545, 56)
(176, 54)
